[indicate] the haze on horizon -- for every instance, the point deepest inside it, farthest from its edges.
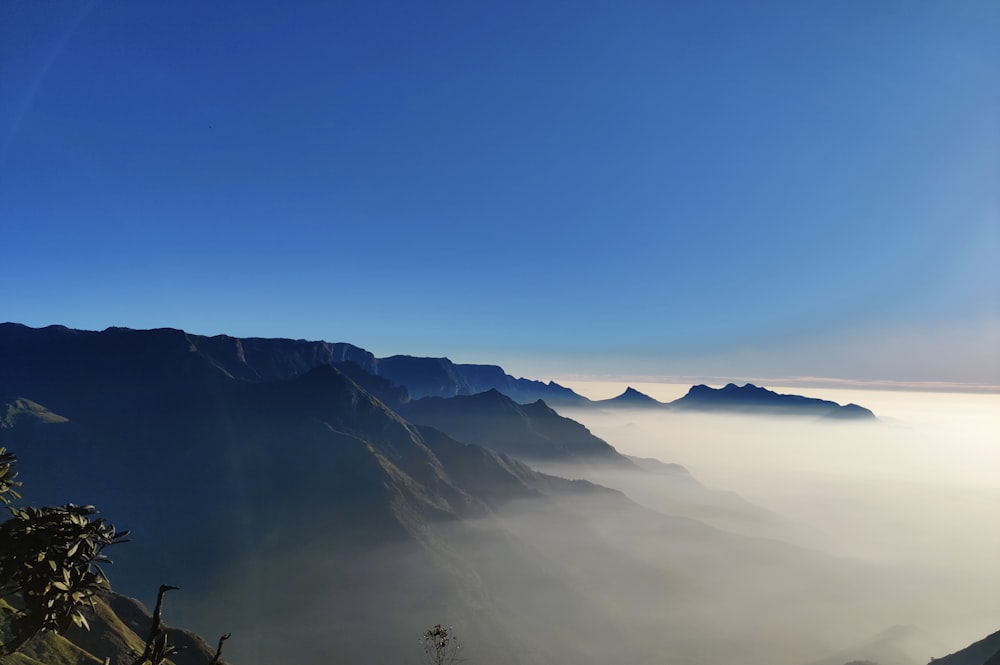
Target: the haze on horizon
(720, 189)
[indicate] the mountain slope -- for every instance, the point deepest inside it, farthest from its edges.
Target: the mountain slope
(632, 399)
(984, 652)
(527, 431)
(555, 444)
(118, 628)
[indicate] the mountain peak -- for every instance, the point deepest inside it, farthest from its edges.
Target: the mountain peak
(630, 398)
(633, 394)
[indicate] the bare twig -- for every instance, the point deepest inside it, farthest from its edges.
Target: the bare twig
(217, 660)
(157, 648)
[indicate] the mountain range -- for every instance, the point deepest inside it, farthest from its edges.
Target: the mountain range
(409, 377)
(323, 514)
(747, 398)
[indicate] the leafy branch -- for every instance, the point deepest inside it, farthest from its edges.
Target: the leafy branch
(50, 556)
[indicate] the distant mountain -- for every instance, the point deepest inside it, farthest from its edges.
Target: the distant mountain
(738, 399)
(526, 431)
(440, 377)
(984, 652)
(272, 359)
(631, 398)
(561, 446)
(753, 399)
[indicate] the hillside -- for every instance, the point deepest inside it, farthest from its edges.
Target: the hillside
(984, 652)
(118, 629)
(527, 431)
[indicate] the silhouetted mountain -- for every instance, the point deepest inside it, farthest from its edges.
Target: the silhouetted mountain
(272, 359)
(440, 377)
(732, 398)
(631, 398)
(752, 399)
(527, 431)
(984, 652)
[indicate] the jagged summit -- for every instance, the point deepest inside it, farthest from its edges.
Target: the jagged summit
(631, 398)
(748, 398)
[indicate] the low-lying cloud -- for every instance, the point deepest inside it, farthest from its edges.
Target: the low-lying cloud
(917, 493)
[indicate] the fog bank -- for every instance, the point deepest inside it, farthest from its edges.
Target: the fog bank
(917, 492)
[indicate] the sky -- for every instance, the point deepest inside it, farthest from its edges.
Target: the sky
(731, 189)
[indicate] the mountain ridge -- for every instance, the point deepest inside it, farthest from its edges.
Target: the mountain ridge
(754, 399)
(261, 359)
(400, 378)
(531, 431)
(982, 652)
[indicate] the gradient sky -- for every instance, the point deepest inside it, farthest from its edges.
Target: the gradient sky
(718, 188)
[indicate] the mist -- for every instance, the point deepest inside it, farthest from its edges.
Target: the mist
(916, 494)
(785, 541)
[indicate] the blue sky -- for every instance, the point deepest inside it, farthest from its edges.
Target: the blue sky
(722, 188)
